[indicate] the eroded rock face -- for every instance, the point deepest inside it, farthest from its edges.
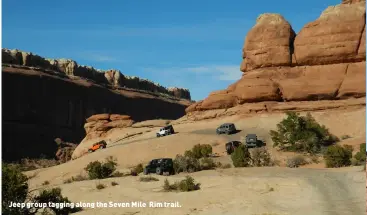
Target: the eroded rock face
(325, 61)
(268, 43)
(335, 37)
(72, 68)
(38, 107)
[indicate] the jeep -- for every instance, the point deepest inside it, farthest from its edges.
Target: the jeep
(230, 146)
(99, 145)
(160, 166)
(226, 128)
(251, 140)
(165, 131)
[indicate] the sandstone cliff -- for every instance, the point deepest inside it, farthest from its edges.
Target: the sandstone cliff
(44, 99)
(325, 61)
(71, 68)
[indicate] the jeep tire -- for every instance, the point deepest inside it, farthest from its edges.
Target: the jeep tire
(90, 150)
(145, 171)
(158, 171)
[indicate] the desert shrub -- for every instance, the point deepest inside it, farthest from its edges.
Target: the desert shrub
(28, 164)
(185, 164)
(118, 174)
(296, 161)
(344, 137)
(54, 195)
(14, 188)
(338, 156)
(137, 169)
(45, 183)
(315, 159)
(185, 185)
(206, 163)
(226, 166)
(188, 184)
(261, 157)
(200, 151)
(360, 157)
(100, 186)
(98, 170)
(169, 187)
(301, 133)
(148, 178)
(113, 183)
(241, 157)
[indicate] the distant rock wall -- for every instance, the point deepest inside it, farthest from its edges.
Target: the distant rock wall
(72, 68)
(325, 61)
(39, 107)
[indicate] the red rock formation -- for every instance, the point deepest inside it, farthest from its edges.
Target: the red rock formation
(40, 105)
(325, 61)
(71, 68)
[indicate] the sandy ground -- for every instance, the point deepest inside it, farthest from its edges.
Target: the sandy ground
(309, 190)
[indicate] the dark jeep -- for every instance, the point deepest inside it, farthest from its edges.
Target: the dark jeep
(226, 128)
(230, 146)
(160, 166)
(251, 141)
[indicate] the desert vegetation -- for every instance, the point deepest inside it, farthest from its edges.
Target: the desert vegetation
(241, 157)
(15, 188)
(185, 185)
(196, 159)
(301, 134)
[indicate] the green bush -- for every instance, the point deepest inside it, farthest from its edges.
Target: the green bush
(14, 188)
(206, 163)
(360, 157)
(188, 184)
(98, 170)
(185, 185)
(200, 151)
(54, 195)
(338, 156)
(186, 164)
(301, 133)
(261, 157)
(241, 157)
(137, 169)
(296, 161)
(169, 187)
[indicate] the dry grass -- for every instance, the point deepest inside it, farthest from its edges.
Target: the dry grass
(148, 179)
(100, 186)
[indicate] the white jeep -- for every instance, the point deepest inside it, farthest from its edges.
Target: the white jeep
(165, 131)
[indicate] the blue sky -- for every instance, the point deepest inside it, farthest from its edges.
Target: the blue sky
(192, 44)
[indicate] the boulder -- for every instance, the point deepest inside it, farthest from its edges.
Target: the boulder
(114, 117)
(335, 37)
(268, 43)
(97, 117)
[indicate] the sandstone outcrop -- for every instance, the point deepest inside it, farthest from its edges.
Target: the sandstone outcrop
(40, 105)
(71, 68)
(325, 61)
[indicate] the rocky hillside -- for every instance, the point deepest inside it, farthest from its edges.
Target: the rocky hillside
(71, 68)
(325, 61)
(46, 99)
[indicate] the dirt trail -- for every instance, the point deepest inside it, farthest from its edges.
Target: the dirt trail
(231, 191)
